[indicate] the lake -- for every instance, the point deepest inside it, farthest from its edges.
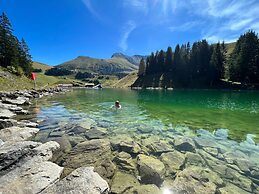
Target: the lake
(219, 128)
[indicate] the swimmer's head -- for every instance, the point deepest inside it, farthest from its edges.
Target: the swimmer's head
(117, 103)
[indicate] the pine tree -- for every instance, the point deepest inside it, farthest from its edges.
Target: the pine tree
(7, 41)
(169, 59)
(142, 67)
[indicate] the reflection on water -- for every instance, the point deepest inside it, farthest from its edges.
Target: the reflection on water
(223, 128)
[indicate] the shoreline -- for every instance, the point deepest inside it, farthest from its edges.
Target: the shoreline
(25, 165)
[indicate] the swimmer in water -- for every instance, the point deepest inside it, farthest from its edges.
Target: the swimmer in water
(117, 105)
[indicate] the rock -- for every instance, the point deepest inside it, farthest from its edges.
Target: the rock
(56, 133)
(144, 189)
(221, 134)
(17, 101)
(77, 130)
(193, 159)
(124, 161)
(160, 147)
(196, 180)
(130, 147)
(151, 170)
(231, 189)
(45, 151)
(82, 180)
(237, 179)
(31, 177)
(106, 168)
(6, 114)
(122, 182)
(145, 129)
(184, 144)
(74, 140)
(15, 134)
(94, 133)
(5, 123)
(173, 161)
(25, 123)
(205, 142)
(87, 153)
(11, 153)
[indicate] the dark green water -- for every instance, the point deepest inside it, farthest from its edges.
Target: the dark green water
(237, 111)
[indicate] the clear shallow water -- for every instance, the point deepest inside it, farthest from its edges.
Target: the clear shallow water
(223, 126)
(197, 109)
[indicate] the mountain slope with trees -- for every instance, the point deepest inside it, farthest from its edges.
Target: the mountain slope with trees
(203, 65)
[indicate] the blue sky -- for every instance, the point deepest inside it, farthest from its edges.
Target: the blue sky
(60, 30)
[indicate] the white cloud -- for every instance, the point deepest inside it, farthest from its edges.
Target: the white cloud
(140, 5)
(91, 9)
(127, 30)
(186, 26)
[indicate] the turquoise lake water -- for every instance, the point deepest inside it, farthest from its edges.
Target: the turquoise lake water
(223, 126)
(237, 111)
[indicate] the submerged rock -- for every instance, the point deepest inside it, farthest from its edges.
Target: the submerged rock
(196, 180)
(123, 182)
(231, 189)
(105, 168)
(144, 189)
(82, 180)
(160, 147)
(151, 170)
(173, 161)
(184, 144)
(130, 147)
(94, 133)
(87, 153)
(124, 161)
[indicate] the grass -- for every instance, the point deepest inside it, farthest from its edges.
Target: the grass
(10, 82)
(126, 81)
(38, 65)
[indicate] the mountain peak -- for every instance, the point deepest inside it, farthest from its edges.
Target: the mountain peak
(135, 59)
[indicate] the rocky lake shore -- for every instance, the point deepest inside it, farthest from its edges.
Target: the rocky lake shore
(47, 156)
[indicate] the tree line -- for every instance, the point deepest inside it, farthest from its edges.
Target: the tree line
(14, 53)
(206, 64)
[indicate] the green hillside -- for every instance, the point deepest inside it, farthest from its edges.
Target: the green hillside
(42, 66)
(99, 66)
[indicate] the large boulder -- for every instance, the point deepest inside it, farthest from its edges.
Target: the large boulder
(173, 161)
(122, 182)
(151, 170)
(29, 171)
(11, 153)
(15, 134)
(82, 180)
(87, 153)
(31, 177)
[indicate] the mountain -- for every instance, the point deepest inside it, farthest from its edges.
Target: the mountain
(135, 59)
(99, 66)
